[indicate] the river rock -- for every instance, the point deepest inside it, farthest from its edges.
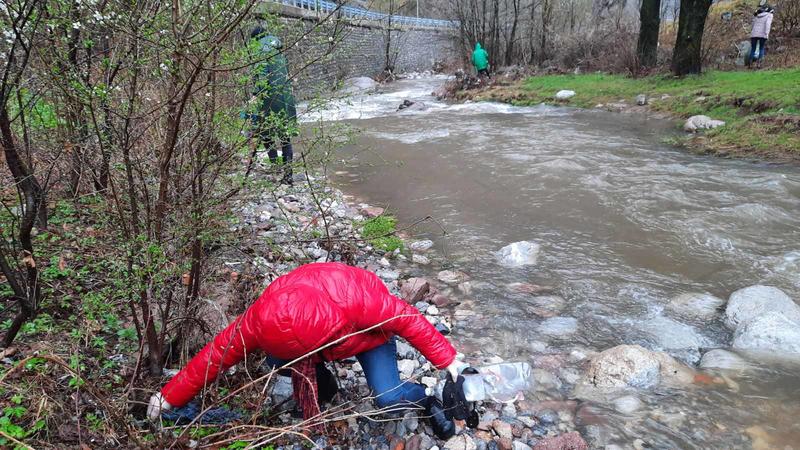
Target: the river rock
(421, 246)
(545, 305)
(528, 288)
(407, 366)
(451, 276)
(387, 274)
(440, 300)
(567, 441)
(372, 211)
(414, 289)
(502, 429)
(635, 366)
(723, 359)
(404, 350)
(773, 332)
(519, 445)
(627, 404)
(564, 94)
(677, 338)
(695, 305)
(701, 122)
(420, 259)
(748, 303)
(558, 326)
(518, 254)
(359, 85)
(460, 442)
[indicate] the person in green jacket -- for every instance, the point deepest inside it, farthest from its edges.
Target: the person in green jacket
(275, 116)
(480, 59)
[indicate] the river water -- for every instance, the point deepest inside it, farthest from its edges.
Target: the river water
(625, 222)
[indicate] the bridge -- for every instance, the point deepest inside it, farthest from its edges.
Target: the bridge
(333, 42)
(322, 7)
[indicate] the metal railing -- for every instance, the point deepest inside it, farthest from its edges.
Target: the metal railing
(351, 12)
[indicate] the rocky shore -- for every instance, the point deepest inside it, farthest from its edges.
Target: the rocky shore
(576, 390)
(302, 225)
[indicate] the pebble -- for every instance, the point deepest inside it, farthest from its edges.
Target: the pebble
(460, 442)
(547, 416)
(421, 246)
(420, 259)
(509, 410)
(451, 277)
(502, 429)
(432, 310)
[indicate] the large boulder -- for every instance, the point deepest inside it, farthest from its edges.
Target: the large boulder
(748, 303)
(701, 122)
(520, 253)
(773, 332)
(635, 366)
(695, 305)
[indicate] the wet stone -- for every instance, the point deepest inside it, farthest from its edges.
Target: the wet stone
(421, 246)
(547, 416)
(502, 429)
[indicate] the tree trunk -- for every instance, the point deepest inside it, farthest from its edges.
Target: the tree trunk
(27, 293)
(687, 57)
(648, 32)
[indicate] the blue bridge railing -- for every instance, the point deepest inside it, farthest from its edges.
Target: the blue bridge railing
(352, 12)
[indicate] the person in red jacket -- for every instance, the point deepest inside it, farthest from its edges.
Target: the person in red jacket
(324, 312)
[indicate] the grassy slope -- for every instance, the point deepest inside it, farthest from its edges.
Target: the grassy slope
(761, 108)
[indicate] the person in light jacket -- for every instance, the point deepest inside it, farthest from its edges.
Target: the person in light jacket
(760, 33)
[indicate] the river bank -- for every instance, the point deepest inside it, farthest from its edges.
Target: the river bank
(358, 234)
(761, 109)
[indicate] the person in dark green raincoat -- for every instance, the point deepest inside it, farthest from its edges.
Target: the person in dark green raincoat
(480, 59)
(275, 118)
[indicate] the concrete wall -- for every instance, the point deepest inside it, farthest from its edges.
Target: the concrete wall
(327, 53)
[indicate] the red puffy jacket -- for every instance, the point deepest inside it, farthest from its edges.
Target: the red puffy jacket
(300, 312)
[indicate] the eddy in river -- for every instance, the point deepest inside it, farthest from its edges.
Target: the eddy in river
(326, 312)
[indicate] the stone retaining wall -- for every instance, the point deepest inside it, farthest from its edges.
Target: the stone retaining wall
(338, 49)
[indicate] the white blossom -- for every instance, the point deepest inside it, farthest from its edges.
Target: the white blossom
(76, 25)
(163, 67)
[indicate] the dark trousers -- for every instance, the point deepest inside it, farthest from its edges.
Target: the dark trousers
(484, 72)
(271, 144)
(758, 48)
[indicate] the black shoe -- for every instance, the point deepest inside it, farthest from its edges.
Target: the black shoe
(443, 427)
(327, 386)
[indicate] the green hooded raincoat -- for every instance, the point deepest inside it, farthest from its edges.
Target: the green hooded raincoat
(480, 59)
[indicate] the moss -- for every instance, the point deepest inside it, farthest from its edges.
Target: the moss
(379, 232)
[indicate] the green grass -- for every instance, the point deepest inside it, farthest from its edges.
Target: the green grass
(378, 231)
(755, 104)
